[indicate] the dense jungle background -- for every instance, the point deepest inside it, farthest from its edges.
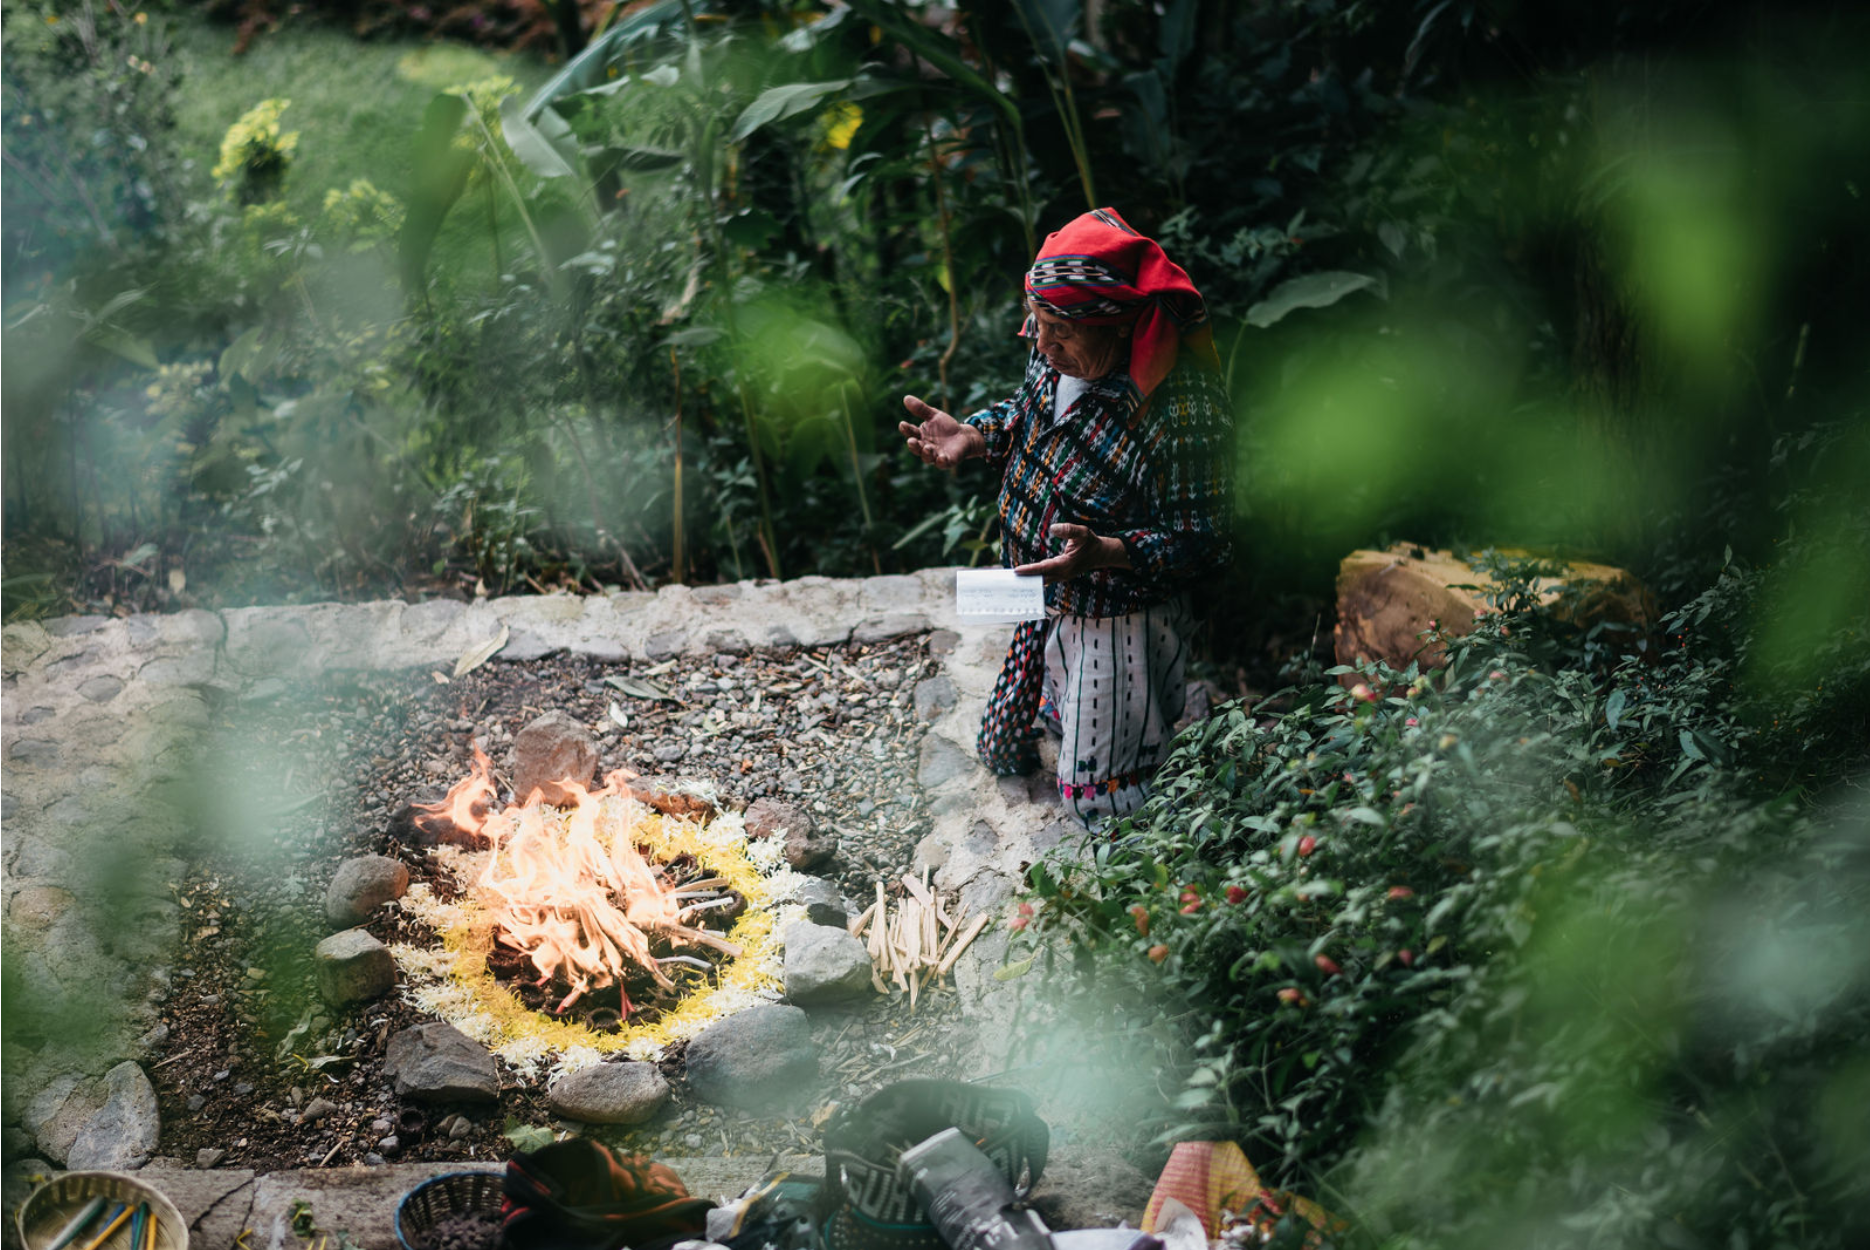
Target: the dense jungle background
(1562, 944)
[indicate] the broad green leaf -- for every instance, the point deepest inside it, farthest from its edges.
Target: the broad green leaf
(1313, 290)
(1613, 709)
(122, 343)
(1014, 971)
(779, 103)
(246, 357)
(526, 1137)
(439, 175)
(636, 159)
(694, 336)
(544, 145)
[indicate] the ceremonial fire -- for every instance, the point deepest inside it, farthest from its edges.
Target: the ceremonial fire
(566, 887)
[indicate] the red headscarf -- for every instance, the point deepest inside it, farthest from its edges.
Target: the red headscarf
(1099, 271)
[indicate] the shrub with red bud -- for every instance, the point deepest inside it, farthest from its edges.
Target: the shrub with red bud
(1401, 891)
(1407, 957)
(1307, 845)
(1158, 953)
(1363, 694)
(1140, 914)
(1292, 994)
(1235, 894)
(1327, 965)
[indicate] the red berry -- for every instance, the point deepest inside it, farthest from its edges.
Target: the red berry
(1141, 913)
(1191, 896)
(1235, 894)
(1025, 909)
(1017, 923)
(1307, 845)
(1292, 994)
(1158, 953)
(1189, 909)
(1407, 957)
(1327, 965)
(1401, 891)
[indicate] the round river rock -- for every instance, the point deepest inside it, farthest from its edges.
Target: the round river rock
(825, 965)
(353, 967)
(610, 1093)
(755, 1059)
(361, 886)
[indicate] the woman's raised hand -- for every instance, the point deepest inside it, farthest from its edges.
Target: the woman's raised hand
(937, 438)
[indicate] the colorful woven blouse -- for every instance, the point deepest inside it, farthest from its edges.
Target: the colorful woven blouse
(1158, 477)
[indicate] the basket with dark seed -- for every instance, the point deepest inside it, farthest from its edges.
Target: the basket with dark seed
(454, 1211)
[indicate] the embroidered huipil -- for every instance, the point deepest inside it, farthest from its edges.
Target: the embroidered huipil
(1157, 477)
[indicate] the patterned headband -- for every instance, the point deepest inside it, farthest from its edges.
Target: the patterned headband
(1075, 274)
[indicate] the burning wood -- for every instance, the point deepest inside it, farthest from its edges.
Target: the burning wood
(568, 889)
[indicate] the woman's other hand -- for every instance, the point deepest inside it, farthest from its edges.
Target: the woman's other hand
(1083, 552)
(937, 438)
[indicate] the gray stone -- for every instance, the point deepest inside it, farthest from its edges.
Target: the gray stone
(825, 965)
(361, 886)
(822, 901)
(806, 847)
(933, 697)
(123, 1134)
(756, 1059)
(893, 625)
(34, 751)
(58, 1111)
(610, 1093)
(194, 668)
(208, 1156)
(353, 967)
(941, 762)
(552, 749)
(101, 689)
(943, 642)
(436, 1062)
(69, 626)
(37, 715)
(316, 1110)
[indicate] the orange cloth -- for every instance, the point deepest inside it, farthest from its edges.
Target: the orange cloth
(1206, 1177)
(1209, 1177)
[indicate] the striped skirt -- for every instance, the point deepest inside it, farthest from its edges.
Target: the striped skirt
(1115, 687)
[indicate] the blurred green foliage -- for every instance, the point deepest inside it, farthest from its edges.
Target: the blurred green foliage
(1559, 945)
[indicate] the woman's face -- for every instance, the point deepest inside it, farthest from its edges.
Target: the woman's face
(1079, 351)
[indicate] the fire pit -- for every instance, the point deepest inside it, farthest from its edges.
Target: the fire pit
(595, 926)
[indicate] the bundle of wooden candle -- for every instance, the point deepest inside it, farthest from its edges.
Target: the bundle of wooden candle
(917, 939)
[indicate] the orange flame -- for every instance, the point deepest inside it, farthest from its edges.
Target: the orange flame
(569, 888)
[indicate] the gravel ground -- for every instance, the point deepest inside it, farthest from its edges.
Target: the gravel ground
(314, 775)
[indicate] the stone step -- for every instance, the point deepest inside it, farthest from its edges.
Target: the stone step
(1082, 1187)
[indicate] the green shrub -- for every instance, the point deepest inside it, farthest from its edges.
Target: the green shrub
(1445, 937)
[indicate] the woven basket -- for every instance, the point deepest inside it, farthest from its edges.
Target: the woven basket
(440, 1197)
(55, 1202)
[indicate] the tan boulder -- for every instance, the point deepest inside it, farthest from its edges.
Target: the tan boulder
(1388, 599)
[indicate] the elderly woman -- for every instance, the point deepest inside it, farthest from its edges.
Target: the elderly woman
(1114, 462)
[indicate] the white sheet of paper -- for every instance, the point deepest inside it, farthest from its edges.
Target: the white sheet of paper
(998, 595)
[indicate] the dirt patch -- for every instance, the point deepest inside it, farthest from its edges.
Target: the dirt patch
(831, 729)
